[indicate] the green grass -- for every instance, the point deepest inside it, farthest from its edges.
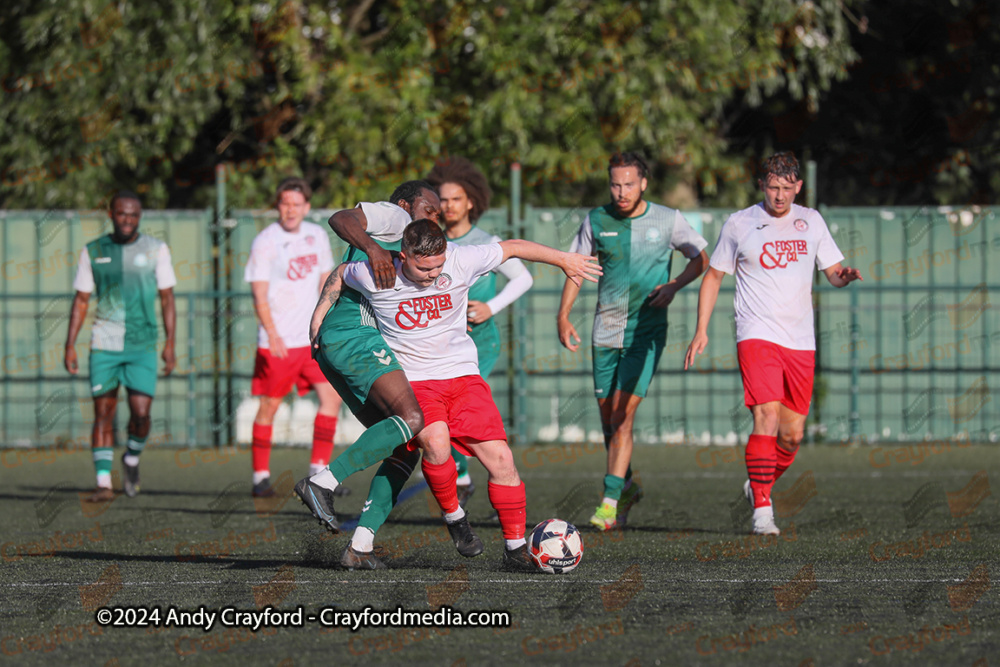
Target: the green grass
(653, 594)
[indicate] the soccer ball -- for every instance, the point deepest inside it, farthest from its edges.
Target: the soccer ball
(555, 546)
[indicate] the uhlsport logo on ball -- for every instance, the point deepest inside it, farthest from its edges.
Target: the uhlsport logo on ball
(555, 546)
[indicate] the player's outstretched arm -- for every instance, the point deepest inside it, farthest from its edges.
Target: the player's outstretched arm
(77, 314)
(841, 276)
(169, 310)
(352, 225)
(327, 299)
(576, 267)
(707, 296)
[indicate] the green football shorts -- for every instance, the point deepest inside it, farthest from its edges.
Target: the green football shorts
(135, 370)
(629, 369)
(352, 359)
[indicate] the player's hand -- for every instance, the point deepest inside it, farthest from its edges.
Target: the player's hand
(580, 267)
(314, 345)
(169, 358)
(849, 275)
(382, 267)
(662, 295)
(278, 348)
(478, 312)
(70, 361)
(697, 346)
(567, 333)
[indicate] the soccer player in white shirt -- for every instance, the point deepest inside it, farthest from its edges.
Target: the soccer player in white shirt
(771, 248)
(423, 318)
(289, 262)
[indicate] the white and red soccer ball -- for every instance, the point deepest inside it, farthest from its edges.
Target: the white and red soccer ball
(555, 546)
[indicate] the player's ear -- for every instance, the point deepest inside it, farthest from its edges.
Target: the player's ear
(798, 186)
(403, 204)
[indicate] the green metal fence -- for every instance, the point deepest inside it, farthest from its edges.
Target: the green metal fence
(906, 355)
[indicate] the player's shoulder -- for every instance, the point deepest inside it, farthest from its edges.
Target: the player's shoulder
(269, 232)
(602, 211)
(660, 210)
(382, 208)
(477, 236)
(149, 241)
(314, 231)
(745, 215)
(806, 213)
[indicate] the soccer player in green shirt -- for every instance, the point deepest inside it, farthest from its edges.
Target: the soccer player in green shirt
(465, 196)
(127, 269)
(634, 241)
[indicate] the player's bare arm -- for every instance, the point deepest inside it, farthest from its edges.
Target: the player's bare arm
(169, 327)
(567, 332)
(663, 295)
(327, 299)
(77, 314)
(841, 276)
(260, 304)
(351, 225)
(576, 267)
(707, 296)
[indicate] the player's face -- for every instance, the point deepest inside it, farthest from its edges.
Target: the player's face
(292, 208)
(426, 205)
(125, 216)
(422, 270)
(626, 190)
(779, 194)
(455, 203)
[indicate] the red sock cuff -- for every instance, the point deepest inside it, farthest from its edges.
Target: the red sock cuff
(323, 430)
(783, 459)
(441, 481)
(261, 447)
(511, 506)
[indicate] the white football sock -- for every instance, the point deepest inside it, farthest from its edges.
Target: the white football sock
(260, 475)
(464, 480)
(104, 479)
(452, 517)
(325, 479)
(514, 544)
(363, 540)
(315, 468)
(131, 460)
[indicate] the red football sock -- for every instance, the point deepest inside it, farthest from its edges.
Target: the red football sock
(510, 504)
(760, 458)
(783, 459)
(441, 480)
(323, 429)
(261, 449)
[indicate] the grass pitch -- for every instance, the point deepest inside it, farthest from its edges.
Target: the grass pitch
(887, 556)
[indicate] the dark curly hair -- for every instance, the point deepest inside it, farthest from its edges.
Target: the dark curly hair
(629, 159)
(462, 172)
(782, 165)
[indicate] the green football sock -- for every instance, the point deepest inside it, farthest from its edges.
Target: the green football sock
(461, 462)
(135, 444)
(613, 486)
(385, 487)
(374, 445)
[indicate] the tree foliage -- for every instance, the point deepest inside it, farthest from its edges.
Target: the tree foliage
(357, 96)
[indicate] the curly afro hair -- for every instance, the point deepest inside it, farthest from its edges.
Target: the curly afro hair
(462, 172)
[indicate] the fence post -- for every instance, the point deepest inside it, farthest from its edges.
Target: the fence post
(518, 389)
(191, 388)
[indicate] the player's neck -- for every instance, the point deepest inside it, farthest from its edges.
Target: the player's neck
(292, 230)
(457, 229)
(124, 241)
(640, 209)
(774, 214)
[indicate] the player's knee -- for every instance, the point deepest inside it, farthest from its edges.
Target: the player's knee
(790, 439)
(414, 418)
(139, 423)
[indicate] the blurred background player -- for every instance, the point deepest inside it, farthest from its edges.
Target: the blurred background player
(771, 248)
(357, 361)
(465, 196)
(423, 318)
(127, 269)
(634, 241)
(289, 262)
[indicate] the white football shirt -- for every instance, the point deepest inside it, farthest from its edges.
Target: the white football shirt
(426, 326)
(773, 259)
(291, 264)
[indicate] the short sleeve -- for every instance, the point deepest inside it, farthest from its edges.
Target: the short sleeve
(583, 242)
(689, 242)
(726, 248)
(84, 281)
(827, 252)
(259, 262)
(385, 221)
(165, 278)
(358, 275)
(472, 261)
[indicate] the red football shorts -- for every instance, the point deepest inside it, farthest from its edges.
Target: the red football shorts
(466, 405)
(775, 373)
(275, 377)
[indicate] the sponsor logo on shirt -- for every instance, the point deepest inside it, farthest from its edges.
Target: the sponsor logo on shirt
(777, 254)
(417, 313)
(608, 234)
(652, 234)
(102, 260)
(141, 260)
(299, 267)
